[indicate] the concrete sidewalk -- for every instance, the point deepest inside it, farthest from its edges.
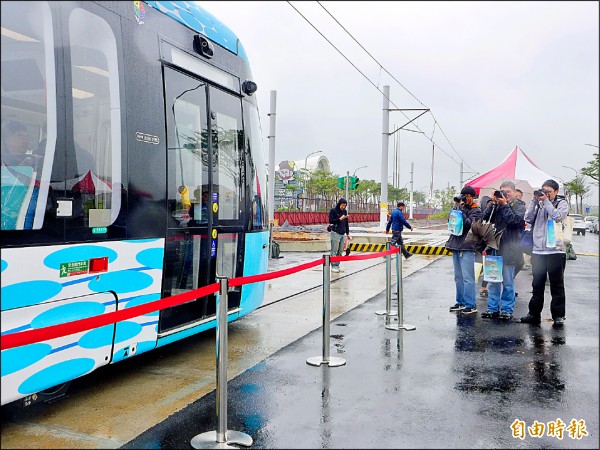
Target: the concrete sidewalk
(454, 382)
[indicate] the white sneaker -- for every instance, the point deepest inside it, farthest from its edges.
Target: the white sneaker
(335, 269)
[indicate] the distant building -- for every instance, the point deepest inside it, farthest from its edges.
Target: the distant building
(289, 178)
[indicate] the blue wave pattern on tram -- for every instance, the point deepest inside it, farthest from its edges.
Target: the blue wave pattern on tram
(135, 274)
(198, 19)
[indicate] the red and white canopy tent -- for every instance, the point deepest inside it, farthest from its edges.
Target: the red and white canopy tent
(516, 167)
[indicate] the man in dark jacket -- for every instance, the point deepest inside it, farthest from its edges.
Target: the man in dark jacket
(397, 222)
(463, 253)
(338, 220)
(507, 215)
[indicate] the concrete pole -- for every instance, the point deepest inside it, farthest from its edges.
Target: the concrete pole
(385, 138)
(412, 170)
(431, 187)
(347, 190)
(460, 186)
(271, 184)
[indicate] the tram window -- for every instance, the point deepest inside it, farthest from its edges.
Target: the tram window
(187, 141)
(227, 144)
(28, 114)
(94, 178)
(256, 166)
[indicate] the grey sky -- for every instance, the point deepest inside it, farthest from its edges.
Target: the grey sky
(495, 75)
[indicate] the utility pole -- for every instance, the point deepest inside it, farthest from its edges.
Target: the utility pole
(461, 176)
(347, 181)
(271, 184)
(385, 137)
(431, 187)
(412, 169)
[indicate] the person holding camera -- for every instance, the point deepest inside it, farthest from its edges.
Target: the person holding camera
(507, 215)
(463, 253)
(547, 210)
(397, 222)
(338, 221)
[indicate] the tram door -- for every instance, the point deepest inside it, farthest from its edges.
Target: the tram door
(204, 194)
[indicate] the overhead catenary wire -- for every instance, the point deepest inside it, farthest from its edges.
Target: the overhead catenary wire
(376, 85)
(396, 80)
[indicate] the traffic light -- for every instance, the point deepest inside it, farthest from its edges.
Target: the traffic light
(353, 183)
(341, 183)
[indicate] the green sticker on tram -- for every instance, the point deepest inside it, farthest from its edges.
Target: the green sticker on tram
(73, 268)
(99, 230)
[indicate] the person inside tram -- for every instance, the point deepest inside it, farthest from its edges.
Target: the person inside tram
(19, 170)
(16, 150)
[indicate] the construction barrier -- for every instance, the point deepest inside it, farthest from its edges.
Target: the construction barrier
(416, 249)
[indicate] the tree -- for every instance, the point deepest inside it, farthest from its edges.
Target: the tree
(577, 187)
(591, 170)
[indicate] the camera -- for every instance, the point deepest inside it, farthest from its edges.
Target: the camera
(460, 199)
(203, 46)
(538, 193)
(500, 194)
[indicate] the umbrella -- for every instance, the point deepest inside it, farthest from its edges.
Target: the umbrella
(483, 234)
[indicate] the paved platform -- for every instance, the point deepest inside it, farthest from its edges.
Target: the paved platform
(454, 382)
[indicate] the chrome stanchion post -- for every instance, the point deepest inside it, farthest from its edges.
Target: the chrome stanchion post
(326, 359)
(400, 325)
(388, 292)
(222, 436)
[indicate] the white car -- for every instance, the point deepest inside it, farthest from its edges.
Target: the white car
(579, 225)
(590, 222)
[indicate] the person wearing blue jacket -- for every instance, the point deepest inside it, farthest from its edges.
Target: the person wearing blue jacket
(397, 222)
(463, 253)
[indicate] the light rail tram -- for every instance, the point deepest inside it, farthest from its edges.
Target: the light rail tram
(132, 170)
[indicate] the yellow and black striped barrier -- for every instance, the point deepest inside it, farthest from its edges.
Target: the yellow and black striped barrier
(416, 249)
(428, 250)
(367, 247)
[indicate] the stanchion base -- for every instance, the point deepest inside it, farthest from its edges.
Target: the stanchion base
(382, 312)
(398, 327)
(209, 440)
(333, 361)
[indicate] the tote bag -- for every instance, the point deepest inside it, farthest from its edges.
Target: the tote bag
(455, 222)
(492, 269)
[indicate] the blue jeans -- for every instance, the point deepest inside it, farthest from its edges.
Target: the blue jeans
(337, 245)
(508, 291)
(464, 278)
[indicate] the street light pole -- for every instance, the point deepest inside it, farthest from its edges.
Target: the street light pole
(305, 162)
(576, 195)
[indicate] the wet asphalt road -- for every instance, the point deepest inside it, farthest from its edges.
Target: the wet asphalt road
(454, 382)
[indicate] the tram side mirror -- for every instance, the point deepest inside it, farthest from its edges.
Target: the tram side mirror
(203, 46)
(64, 207)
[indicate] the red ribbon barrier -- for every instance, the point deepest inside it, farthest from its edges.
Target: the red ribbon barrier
(21, 338)
(278, 273)
(366, 256)
(64, 329)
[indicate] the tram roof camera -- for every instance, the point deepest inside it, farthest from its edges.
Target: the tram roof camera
(203, 46)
